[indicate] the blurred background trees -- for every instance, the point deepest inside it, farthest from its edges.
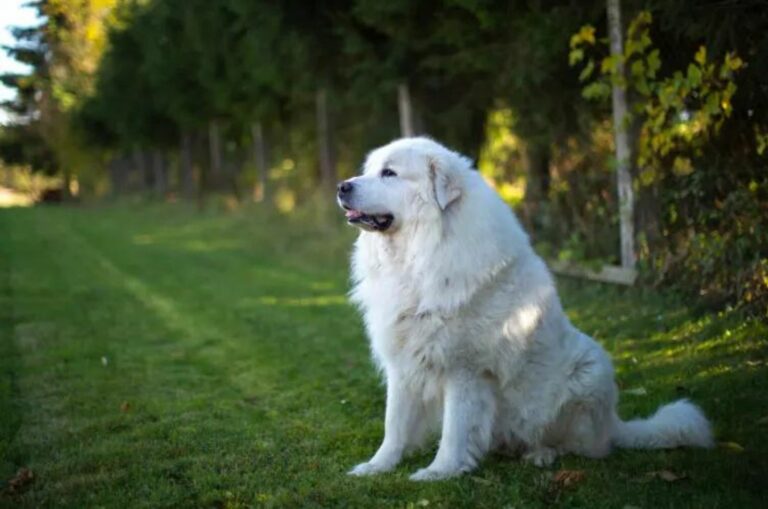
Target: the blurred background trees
(271, 100)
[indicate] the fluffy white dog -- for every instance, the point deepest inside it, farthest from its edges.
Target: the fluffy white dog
(466, 325)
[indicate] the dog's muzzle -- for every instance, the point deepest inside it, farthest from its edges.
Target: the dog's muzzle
(372, 222)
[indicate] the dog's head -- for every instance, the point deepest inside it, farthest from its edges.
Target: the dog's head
(409, 180)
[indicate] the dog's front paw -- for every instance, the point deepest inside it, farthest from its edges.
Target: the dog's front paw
(369, 468)
(541, 457)
(435, 474)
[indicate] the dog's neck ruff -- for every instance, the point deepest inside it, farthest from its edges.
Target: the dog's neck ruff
(443, 270)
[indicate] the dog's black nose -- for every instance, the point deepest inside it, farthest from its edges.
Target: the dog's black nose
(344, 188)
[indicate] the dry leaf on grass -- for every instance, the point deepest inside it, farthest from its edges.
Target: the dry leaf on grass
(20, 481)
(637, 391)
(666, 475)
(567, 478)
(125, 406)
(486, 482)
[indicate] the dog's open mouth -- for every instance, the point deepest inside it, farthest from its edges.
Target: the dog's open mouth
(377, 222)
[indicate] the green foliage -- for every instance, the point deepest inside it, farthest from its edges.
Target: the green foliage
(713, 229)
(677, 114)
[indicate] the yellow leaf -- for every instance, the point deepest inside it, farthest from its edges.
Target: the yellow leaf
(587, 34)
(733, 61)
(682, 166)
(701, 55)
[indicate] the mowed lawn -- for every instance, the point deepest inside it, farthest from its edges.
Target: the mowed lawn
(154, 356)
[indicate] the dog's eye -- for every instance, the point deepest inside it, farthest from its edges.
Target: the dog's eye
(386, 172)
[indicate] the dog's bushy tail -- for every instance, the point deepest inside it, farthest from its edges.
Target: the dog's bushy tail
(677, 424)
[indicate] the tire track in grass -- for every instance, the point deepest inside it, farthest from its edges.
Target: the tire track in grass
(272, 313)
(309, 353)
(291, 360)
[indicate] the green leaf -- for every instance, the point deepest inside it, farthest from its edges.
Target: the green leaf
(637, 68)
(587, 71)
(653, 63)
(575, 56)
(694, 75)
(596, 90)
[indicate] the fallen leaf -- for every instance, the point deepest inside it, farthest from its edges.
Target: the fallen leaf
(567, 478)
(671, 476)
(666, 475)
(480, 480)
(20, 481)
(731, 446)
(125, 406)
(637, 391)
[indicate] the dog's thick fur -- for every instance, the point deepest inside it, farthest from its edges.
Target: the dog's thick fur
(466, 326)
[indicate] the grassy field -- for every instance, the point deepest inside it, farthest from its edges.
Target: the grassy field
(152, 356)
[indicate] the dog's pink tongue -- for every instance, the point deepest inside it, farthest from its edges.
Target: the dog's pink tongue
(353, 214)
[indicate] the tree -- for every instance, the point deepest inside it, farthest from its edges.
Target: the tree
(623, 157)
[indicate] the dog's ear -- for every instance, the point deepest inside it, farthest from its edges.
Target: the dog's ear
(446, 187)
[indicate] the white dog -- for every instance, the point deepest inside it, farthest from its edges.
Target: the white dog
(466, 325)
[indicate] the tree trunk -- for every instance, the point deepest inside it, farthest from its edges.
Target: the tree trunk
(119, 169)
(140, 162)
(537, 184)
(405, 110)
(233, 164)
(260, 161)
(327, 167)
(214, 146)
(186, 172)
(160, 174)
(623, 175)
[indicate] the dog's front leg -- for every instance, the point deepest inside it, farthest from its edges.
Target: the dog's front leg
(468, 416)
(402, 427)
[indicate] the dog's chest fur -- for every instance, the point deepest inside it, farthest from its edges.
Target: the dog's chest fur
(402, 333)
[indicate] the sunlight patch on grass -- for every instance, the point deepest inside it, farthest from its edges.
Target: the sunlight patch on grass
(143, 240)
(319, 301)
(160, 305)
(207, 246)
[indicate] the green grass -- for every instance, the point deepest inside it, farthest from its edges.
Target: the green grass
(153, 356)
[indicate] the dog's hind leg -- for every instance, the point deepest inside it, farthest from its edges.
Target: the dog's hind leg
(468, 415)
(588, 433)
(403, 427)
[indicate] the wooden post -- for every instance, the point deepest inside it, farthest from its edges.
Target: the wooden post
(214, 145)
(140, 162)
(260, 160)
(623, 176)
(115, 166)
(327, 170)
(159, 172)
(186, 173)
(405, 110)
